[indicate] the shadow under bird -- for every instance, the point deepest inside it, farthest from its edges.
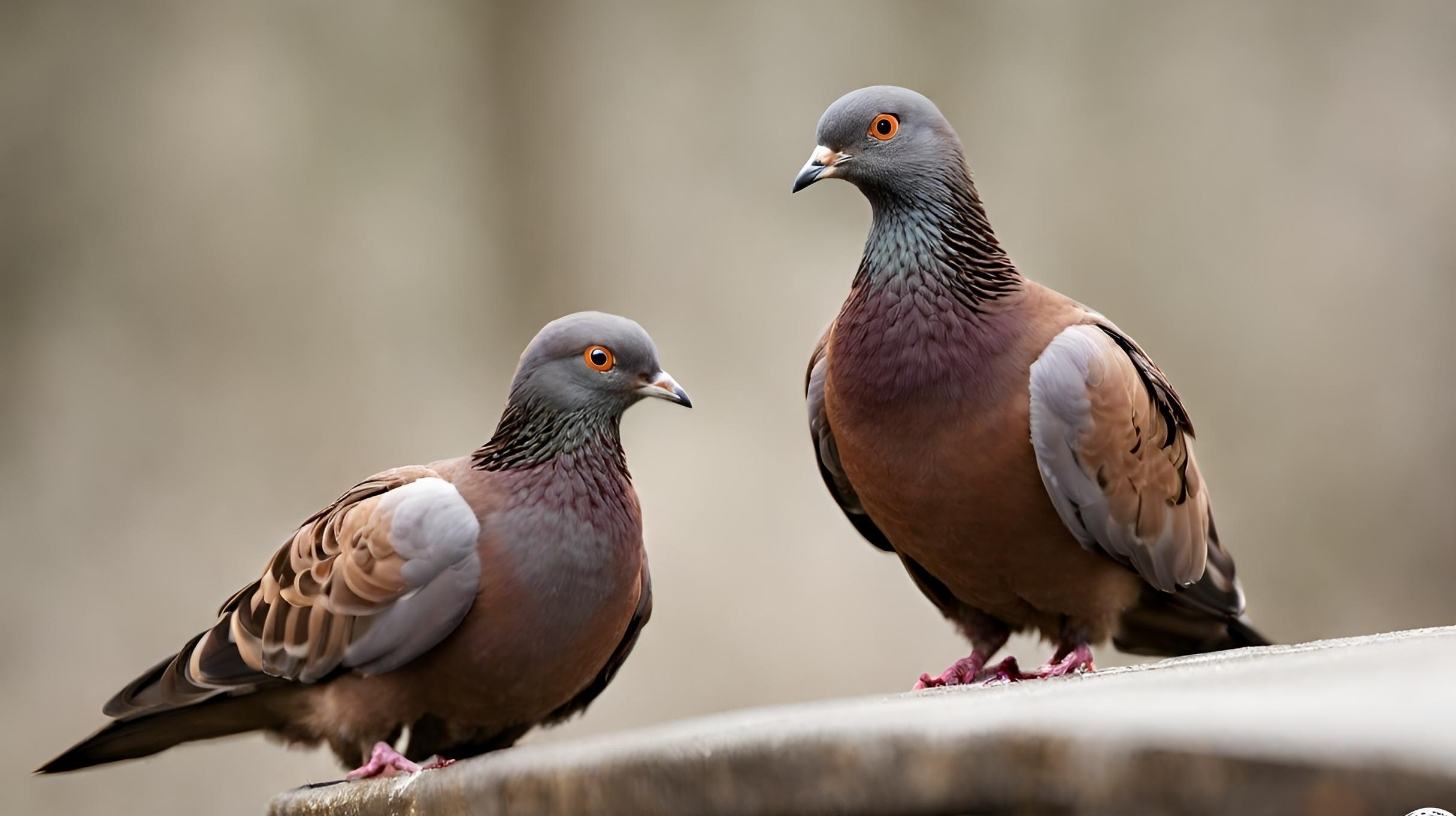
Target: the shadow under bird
(1027, 461)
(468, 600)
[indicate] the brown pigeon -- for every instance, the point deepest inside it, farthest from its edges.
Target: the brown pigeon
(1022, 455)
(468, 600)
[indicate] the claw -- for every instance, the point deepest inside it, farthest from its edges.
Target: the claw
(959, 673)
(972, 669)
(1007, 671)
(383, 761)
(1075, 661)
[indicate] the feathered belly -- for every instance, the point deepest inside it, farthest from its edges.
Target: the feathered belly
(533, 641)
(958, 492)
(526, 648)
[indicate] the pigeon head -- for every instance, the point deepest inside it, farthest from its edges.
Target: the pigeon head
(884, 140)
(592, 362)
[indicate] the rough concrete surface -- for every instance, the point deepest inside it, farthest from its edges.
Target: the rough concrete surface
(1362, 725)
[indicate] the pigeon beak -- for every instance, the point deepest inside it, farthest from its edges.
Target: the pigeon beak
(820, 165)
(663, 386)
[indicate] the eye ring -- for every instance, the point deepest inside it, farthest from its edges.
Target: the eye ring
(884, 127)
(599, 358)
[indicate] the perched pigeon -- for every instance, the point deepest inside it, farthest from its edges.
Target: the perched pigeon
(468, 600)
(1025, 459)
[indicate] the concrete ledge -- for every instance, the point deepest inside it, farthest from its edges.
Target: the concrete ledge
(1353, 726)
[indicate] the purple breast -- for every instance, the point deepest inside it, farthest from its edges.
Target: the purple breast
(909, 338)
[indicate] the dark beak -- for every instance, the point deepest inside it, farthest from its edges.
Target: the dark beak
(663, 386)
(820, 165)
(808, 175)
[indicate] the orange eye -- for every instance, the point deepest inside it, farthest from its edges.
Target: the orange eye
(884, 127)
(599, 358)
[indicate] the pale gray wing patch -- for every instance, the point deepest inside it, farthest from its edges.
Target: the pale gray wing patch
(1061, 420)
(1060, 410)
(435, 530)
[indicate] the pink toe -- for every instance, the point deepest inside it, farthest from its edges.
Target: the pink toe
(383, 761)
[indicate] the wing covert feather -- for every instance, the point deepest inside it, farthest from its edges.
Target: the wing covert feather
(1113, 444)
(368, 583)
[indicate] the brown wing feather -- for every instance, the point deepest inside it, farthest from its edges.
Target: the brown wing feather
(319, 592)
(1139, 453)
(1113, 446)
(1160, 390)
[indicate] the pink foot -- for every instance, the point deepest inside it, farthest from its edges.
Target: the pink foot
(1076, 661)
(384, 761)
(1007, 671)
(958, 673)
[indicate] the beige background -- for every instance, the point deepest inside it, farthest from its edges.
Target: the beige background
(250, 255)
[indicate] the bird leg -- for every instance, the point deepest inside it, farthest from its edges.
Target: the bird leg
(385, 761)
(986, 634)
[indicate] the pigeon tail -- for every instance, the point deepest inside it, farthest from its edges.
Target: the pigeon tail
(1166, 626)
(149, 734)
(1242, 633)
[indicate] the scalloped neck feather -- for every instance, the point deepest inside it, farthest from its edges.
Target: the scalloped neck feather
(927, 309)
(530, 434)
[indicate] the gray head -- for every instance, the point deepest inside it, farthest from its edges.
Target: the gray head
(592, 361)
(884, 139)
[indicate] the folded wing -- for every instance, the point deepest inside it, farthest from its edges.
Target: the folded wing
(1112, 442)
(367, 584)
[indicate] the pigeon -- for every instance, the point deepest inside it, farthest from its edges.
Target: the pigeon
(465, 601)
(1025, 459)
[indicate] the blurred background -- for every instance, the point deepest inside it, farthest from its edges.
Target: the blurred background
(250, 254)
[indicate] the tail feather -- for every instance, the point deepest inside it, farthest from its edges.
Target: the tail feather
(1243, 633)
(1165, 625)
(174, 683)
(148, 734)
